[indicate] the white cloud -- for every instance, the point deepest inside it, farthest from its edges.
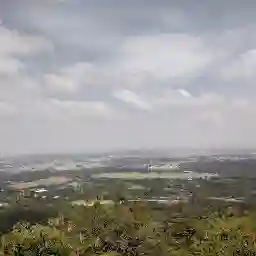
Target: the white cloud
(140, 71)
(211, 117)
(9, 65)
(243, 67)
(183, 98)
(172, 98)
(166, 55)
(71, 79)
(132, 98)
(184, 93)
(60, 83)
(138, 62)
(55, 109)
(240, 103)
(76, 108)
(14, 45)
(6, 109)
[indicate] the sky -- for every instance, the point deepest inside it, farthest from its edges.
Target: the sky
(92, 75)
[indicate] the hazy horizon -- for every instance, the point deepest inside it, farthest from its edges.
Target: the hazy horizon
(86, 76)
(160, 152)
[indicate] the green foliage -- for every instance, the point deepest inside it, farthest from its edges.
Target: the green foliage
(132, 229)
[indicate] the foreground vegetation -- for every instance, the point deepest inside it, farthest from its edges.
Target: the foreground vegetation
(134, 229)
(197, 224)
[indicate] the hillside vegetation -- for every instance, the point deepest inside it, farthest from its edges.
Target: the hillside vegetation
(134, 229)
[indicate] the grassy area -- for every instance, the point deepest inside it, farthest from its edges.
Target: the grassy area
(149, 175)
(54, 180)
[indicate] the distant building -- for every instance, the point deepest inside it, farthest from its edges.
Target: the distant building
(82, 203)
(41, 190)
(164, 167)
(91, 202)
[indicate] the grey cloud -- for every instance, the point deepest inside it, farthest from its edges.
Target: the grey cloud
(169, 55)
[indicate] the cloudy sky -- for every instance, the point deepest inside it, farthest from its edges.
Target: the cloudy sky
(87, 75)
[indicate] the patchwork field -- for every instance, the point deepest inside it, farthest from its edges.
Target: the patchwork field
(51, 181)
